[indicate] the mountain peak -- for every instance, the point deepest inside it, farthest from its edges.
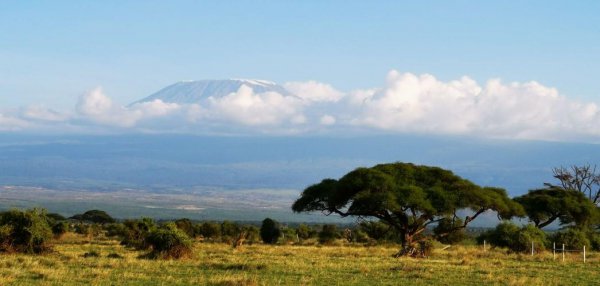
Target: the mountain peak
(195, 91)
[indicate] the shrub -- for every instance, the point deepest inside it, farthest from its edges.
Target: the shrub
(135, 233)
(209, 230)
(270, 231)
(229, 231)
(187, 226)
(517, 239)
(169, 242)
(328, 234)
(305, 232)
(25, 231)
(528, 234)
(572, 238)
(60, 228)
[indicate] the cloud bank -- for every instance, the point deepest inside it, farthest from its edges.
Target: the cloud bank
(406, 103)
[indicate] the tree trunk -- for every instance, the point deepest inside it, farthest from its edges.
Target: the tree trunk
(409, 247)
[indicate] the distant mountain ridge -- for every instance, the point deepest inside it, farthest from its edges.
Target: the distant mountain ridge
(195, 91)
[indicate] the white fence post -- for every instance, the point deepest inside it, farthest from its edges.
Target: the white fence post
(532, 248)
(554, 251)
(563, 253)
(484, 245)
(584, 254)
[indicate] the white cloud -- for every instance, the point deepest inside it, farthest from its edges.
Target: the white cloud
(99, 108)
(248, 108)
(314, 91)
(11, 123)
(408, 103)
(411, 103)
(327, 120)
(40, 113)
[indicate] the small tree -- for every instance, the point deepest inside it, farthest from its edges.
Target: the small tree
(270, 231)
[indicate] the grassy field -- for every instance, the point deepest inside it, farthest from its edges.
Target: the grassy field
(220, 264)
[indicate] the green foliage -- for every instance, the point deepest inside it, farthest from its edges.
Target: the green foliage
(88, 229)
(305, 232)
(94, 216)
(24, 231)
(544, 206)
(169, 242)
(448, 231)
(229, 230)
(508, 235)
(328, 234)
(60, 228)
(270, 231)
(405, 196)
(379, 231)
(55, 217)
(573, 238)
(209, 230)
(187, 226)
(252, 234)
(135, 232)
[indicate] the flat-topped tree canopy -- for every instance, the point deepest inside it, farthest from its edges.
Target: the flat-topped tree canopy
(406, 196)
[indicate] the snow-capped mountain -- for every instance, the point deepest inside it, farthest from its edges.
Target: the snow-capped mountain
(186, 92)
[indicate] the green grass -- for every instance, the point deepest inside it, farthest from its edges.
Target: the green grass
(219, 264)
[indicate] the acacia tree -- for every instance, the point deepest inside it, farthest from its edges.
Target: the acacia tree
(584, 179)
(407, 197)
(544, 206)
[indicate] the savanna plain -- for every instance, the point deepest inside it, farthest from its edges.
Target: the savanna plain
(80, 260)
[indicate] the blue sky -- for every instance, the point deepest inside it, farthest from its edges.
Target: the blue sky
(499, 69)
(53, 51)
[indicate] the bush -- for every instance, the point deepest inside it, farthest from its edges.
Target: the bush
(135, 233)
(528, 234)
(169, 242)
(25, 231)
(517, 239)
(305, 232)
(328, 234)
(60, 228)
(572, 238)
(187, 226)
(229, 231)
(209, 230)
(446, 225)
(94, 216)
(595, 240)
(270, 231)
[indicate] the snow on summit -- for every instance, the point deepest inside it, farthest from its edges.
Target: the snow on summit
(195, 91)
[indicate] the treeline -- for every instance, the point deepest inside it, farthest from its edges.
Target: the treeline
(33, 231)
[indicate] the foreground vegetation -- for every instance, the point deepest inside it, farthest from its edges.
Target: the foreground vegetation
(79, 260)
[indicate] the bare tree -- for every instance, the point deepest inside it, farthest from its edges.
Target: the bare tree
(584, 179)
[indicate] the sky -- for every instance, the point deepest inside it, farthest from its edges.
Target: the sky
(82, 61)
